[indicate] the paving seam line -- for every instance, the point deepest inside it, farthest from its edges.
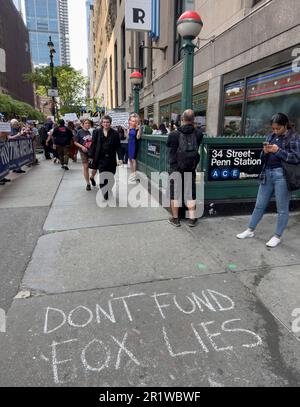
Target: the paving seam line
(47, 232)
(41, 293)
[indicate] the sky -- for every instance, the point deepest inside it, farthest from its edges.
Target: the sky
(78, 34)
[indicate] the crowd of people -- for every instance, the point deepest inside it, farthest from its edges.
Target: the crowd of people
(103, 148)
(21, 130)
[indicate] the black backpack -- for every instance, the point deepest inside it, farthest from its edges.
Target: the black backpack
(43, 135)
(187, 153)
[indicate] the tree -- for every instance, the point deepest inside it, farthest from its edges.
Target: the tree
(11, 108)
(71, 86)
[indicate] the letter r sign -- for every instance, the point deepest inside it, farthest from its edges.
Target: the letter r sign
(138, 15)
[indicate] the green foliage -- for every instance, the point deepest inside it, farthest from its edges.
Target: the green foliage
(12, 107)
(71, 86)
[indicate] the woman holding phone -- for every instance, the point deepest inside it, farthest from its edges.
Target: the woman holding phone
(134, 134)
(282, 145)
(83, 141)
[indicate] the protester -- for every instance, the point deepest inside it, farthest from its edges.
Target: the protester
(92, 127)
(62, 138)
(49, 124)
(283, 145)
(134, 134)
(167, 125)
(43, 133)
(146, 128)
(155, 129)
(105, 146)
(124, 145)
(184, 157)
(49, 143)
(33, 134)
(3, 138)
(83, 142)
(163, 130)
(74, 148)
(172, 126)
(16, 132)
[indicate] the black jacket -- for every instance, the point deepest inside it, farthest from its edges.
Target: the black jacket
(62, 136)
(105, 162)
(173, 142)
(43, 135)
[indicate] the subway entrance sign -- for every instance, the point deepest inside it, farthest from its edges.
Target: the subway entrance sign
(231, 167)
(234, 163)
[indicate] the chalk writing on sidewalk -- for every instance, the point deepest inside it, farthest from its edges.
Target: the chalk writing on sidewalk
(104, 350)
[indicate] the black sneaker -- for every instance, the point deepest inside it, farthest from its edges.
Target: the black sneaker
(66, 168)
(174, 222)
(19, 171)
(88, 188)
(2, 182)
(93, 182)
(6, 180)
(192, 223)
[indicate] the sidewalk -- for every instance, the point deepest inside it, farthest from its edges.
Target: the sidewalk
(120, 298)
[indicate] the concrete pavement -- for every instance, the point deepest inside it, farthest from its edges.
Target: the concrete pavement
(120, 298)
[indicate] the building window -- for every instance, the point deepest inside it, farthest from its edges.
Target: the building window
(124, 67)
(172, 111)
(111, 81)
(116, 76)
(233, 109)
(250, 104)
(200, 108)
(180, 7)
(164, 114)
(270, 93)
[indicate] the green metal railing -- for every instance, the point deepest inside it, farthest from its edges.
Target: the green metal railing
(153, 157)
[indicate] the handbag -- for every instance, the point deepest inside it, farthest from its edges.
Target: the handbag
(292, 174)
(92, 162)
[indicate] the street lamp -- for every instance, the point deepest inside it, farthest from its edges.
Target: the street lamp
(136, 80)
(189, 27)
(53, 79)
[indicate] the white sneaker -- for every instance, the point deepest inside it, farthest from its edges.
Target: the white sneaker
(246, 235)
(274, 242)
(132, 182)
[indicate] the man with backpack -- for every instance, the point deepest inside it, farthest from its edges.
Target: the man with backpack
(184, 158)
(62, 137)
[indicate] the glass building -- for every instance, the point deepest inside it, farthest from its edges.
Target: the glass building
(45, 18)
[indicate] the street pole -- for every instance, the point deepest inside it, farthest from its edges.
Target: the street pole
(53, 82)
(188, 74)
(136, 91)
(189, 27)
(136, 80)
(53, 112)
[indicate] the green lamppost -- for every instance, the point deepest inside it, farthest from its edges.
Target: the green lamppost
(189, 27)
(53, 79)
(136, 80)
